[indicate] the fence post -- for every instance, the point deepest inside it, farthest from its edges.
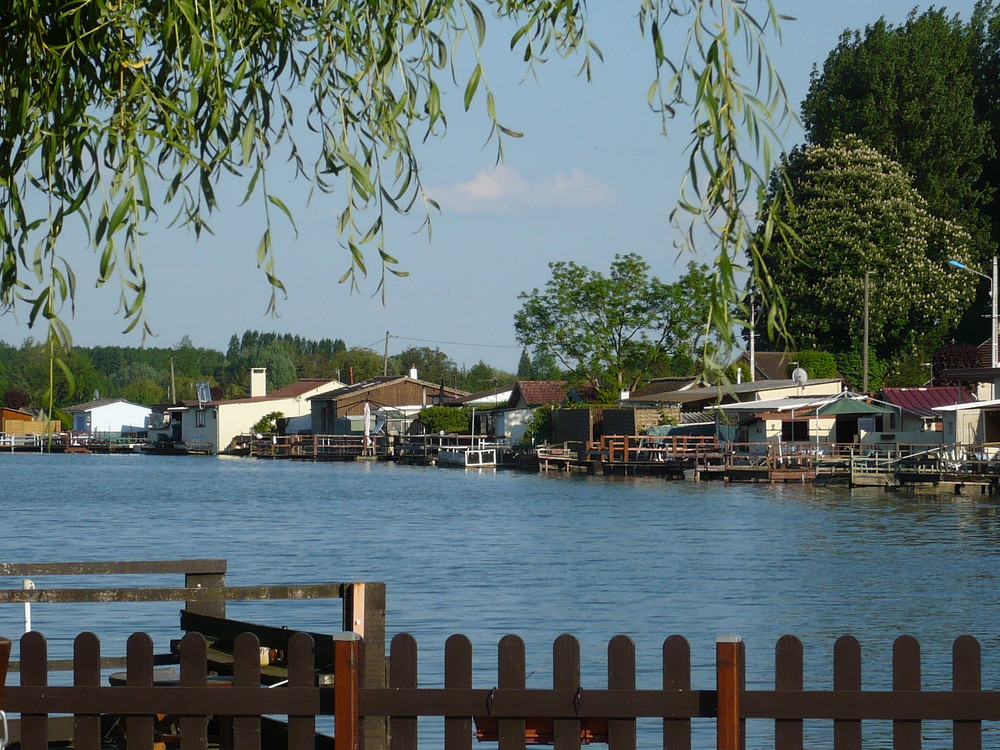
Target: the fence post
(4, 662)
(364, 614)
(209, 579)
(729, 680)
(346, 680)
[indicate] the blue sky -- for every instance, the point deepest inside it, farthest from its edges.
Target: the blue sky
(593, 176)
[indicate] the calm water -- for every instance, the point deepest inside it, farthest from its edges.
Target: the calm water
(496, 553)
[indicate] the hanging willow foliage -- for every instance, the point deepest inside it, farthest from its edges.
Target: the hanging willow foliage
(118, 110)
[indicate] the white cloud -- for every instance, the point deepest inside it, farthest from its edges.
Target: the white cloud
(501, 190)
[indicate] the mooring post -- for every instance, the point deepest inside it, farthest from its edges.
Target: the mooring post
(729, 675)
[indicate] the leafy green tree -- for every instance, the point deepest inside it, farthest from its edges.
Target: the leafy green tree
(607, 330)
(144, 391)
(446, 419)
(955, 356)
(850, 364)
(545, 367)
(855, 211)
(273, 355)
(432, 365)
(524, 366)
(818, 364)
(268, 423)
(358, 363)
(910, 92)
(167, 98)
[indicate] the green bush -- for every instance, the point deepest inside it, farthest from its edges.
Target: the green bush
(446, 419)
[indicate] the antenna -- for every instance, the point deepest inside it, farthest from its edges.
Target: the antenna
(800, 376)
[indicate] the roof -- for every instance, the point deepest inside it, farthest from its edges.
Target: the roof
(497, 395)
(296, 389)
(922, 401)
(843, 403)
(381, 380)
(539, 392)
(770, 365)
(716, 392)
(97, 403)
(668, 385)
(971, 405)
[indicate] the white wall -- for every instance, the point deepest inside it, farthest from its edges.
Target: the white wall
(118, 417)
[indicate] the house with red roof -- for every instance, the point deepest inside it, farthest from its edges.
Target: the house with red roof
(511, 422)
(918, 420)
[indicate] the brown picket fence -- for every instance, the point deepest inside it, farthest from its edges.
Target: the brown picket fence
(566, 715)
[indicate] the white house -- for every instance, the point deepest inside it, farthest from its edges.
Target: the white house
(214, 424)
(104, 415)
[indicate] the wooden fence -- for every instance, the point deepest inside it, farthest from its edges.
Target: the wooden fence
(565, 715)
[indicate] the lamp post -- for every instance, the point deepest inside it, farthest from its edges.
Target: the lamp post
(995, 361)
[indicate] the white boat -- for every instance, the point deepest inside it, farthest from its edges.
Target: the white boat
(468, 457)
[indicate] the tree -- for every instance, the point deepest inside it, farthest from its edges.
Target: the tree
(116, 112)
(910, 92)
(956, 356)
(608, 330)
(855, 211)
(446, 419)
(524, 366)
(432, 365)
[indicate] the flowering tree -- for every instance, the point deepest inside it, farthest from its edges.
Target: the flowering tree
(855, 211)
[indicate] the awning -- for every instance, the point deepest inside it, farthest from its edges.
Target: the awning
(854, 406)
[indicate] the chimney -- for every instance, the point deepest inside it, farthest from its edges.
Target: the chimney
(258, 382)
(413, 372)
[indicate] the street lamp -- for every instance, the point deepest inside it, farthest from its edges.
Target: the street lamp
(993, 296)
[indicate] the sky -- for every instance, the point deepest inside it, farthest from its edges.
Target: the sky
(592, 177)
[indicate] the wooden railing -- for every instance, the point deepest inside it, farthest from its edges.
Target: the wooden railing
(565, 715)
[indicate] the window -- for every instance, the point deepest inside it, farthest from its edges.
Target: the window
(798, 430)
(199, 418)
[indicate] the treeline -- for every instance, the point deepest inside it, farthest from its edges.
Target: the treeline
(157, 375)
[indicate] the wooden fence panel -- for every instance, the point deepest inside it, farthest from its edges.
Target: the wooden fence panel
(566, 675)
(458, 676)
(194, 673)
(621, 676)
(676, 676)
(87, 673)
(510, 674)
(403, 674)
(139, 656)
(246, 673)
(966, 661)
(847, 676)
(301, 667)
(906, 676)
(34, 727)
(788, 670)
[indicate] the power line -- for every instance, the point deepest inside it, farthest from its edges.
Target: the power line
(456, 343)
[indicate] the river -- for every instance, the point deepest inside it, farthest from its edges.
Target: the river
(487, 554)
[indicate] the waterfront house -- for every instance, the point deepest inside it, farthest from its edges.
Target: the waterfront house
(397, 399)
(213, 425)
(511, 421)
(109, 415)
(919, 421)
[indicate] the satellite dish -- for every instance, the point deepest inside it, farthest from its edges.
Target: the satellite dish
(800, 376)
(204, 391)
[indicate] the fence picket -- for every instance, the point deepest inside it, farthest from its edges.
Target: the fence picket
(87, 672)
(566, 674)
(34, 672)
(847, 676)
(458, 675)
(511, 674)
(621, 676)
(301, 668)
(403, 674)
(788, 669)
(676, 676)
(246, 673)
(966, 667)
(906, 676)
(194, 673)
(139, 673)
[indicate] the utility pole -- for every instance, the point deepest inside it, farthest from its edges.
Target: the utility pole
(864, 355)
(385, 356)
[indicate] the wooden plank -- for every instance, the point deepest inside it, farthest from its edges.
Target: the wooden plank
(728, 671)
(166, 594)
(137, 567)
